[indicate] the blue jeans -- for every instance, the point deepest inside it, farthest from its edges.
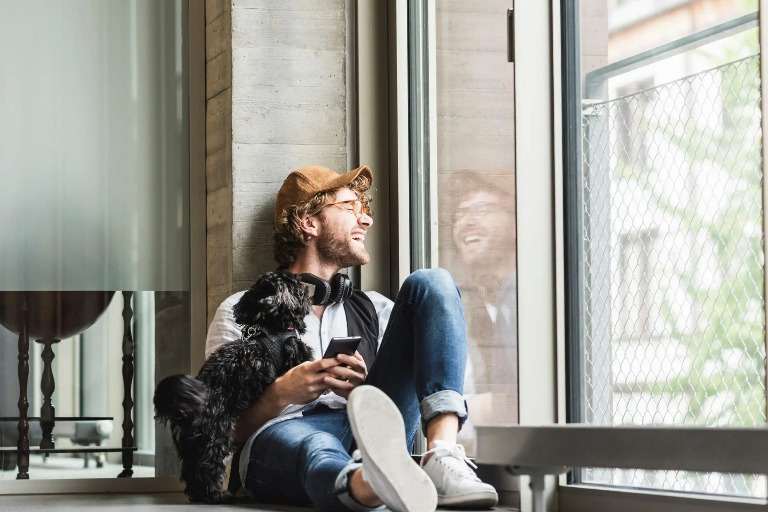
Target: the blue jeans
(420, 366)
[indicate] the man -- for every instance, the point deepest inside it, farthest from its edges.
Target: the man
(297, 442)
(484, 236)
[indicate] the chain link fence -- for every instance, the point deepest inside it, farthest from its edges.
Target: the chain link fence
(673, 272)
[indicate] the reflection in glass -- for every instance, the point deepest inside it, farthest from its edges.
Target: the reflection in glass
(476, 197)
(483, 260)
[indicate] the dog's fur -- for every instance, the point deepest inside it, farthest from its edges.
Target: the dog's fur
(202, 411)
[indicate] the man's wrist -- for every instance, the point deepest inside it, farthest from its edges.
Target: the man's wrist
(274, 398)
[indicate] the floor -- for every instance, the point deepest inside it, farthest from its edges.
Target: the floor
(63, 467)
(175, 502)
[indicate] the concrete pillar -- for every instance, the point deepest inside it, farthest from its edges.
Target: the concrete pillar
(276, 100)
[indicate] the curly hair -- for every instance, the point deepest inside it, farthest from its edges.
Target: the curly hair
(290, 238)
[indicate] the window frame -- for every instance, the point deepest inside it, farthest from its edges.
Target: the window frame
(572, 496)
(543, 150)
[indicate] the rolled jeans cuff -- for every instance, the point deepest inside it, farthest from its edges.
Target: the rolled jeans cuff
(341, 489)
(442, 402)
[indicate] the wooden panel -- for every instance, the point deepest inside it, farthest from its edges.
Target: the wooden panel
(219, 169)
(215, 8)
(219, 258)
(218, 36)
(218, 74)
(218, 119)
(219, 208)
(219, 237)
(216, 295)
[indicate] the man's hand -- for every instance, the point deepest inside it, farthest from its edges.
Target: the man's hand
(303, 383)
(348, 373)
(299, 385)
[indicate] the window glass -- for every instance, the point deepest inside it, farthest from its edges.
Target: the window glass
(95, 230)
(476, 197)
(671, 240)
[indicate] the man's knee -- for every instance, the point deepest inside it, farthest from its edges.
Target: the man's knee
(320, 445)
(320, 441)
(431, 279)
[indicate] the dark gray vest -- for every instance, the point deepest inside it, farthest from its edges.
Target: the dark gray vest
(363, 321)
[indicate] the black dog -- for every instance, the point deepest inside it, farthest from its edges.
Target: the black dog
(202, 411)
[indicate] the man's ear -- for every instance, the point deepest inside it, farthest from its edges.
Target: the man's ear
(309, 225)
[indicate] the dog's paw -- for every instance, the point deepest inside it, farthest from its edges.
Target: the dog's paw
(220, 497)
(211, 497)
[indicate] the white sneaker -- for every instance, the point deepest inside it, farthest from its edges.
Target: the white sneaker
(456, 483)
(387, 467)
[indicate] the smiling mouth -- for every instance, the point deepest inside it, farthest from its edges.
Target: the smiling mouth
(472, 239)
(358, 238)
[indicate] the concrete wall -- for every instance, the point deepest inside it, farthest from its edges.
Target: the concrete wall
(276, 100)
(218, 149)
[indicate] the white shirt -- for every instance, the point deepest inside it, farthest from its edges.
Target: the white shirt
(224, 329)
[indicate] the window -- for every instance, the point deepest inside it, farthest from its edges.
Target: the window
(463, 155)
(668, 190)
(95, 198)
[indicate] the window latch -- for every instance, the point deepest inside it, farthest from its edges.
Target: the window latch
(510, 35)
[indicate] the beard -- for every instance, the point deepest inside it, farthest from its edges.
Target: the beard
(339, 249)
(484, 251)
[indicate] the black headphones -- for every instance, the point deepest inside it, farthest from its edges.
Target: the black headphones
(323, 292)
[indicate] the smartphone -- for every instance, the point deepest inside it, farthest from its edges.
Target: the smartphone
(346, 345)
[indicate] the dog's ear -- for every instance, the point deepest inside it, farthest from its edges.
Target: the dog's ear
(246, 309)
(287, 306)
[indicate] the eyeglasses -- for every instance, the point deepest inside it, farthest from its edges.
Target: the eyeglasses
(477, 211)
(353, 206)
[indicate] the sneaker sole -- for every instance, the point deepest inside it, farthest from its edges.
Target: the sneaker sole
(380, 435)
(474, 500)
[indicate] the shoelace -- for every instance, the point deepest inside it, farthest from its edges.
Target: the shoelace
(455, 459)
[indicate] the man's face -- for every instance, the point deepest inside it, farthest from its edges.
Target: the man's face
(341, 239)
(484, 229)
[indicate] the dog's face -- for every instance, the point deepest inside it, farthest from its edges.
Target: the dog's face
(277, 301)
